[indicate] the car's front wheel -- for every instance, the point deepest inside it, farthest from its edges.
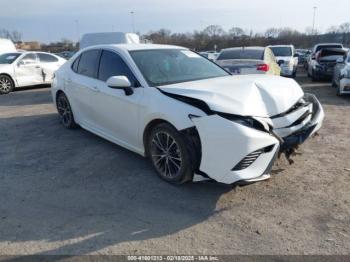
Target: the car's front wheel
(6, 84)
(169, 154)
(65, 111)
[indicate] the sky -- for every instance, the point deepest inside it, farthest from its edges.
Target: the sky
(52, 20)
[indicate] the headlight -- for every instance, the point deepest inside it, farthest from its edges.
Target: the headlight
(245, 121)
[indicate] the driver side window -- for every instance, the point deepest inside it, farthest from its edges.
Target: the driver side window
(111, 64)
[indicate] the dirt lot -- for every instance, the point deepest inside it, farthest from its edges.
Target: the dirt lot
(71, 192)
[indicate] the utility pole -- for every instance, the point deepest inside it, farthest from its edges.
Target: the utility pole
(313, 21)
(132, 21)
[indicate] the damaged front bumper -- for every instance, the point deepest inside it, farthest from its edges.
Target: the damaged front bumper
(232, 152)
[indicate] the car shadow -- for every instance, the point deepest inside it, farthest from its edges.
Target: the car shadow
(72, 187)
(27, 96)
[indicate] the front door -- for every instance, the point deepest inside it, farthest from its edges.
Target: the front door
(28, 71)
(114, 113)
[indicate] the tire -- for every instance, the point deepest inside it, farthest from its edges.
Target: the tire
(6, 84)
(167, 149)
(294, 75)
(65, 111)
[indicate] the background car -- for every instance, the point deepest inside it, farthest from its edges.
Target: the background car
(302, 55)
(185, 113)
(341, 76)
(20, 69)
(311, 64)
(248, 60)
(324, 62)
(66, 54)
(286, 58)
(211, 55)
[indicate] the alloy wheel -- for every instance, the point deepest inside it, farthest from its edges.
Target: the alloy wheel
(5, 85)
(166, 154)
(64, 110)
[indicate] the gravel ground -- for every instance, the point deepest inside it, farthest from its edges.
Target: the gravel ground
(71, 192)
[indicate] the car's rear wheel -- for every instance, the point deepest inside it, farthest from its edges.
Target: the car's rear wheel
(6, 84)
(65, 111)
(168, 152)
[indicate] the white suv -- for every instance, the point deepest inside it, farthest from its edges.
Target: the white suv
(184, 112)
(286, 58)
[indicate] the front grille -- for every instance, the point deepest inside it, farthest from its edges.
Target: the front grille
(248, 160)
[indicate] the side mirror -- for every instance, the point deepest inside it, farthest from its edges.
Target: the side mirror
(340, 60)
(120, 82)
(313, 57)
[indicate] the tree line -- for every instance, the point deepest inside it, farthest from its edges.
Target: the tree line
(215, 37)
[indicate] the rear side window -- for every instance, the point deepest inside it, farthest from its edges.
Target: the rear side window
(88, 63)
(46, 58)
(29, 59)
(255, 54)
(75, 64)
(112, 64)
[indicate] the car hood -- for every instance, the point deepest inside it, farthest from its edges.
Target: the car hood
(248, 95)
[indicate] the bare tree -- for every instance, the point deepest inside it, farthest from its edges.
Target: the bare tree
(236, 32)
(214, 31)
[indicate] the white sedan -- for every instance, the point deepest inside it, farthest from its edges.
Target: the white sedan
(184, 112)
(19, 69)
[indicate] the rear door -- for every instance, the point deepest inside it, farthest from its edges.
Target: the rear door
(28, 71)
(49, 65)
(81, 84)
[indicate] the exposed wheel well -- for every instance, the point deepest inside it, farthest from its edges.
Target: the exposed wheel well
(13, 82)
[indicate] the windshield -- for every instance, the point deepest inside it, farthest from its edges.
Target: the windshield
(8, 58)
(281, 51)
(170, 66)
(250, 54)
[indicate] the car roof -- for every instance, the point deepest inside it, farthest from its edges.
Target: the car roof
(134, 47)
(329, 44)
(280, 46)
(244, 47)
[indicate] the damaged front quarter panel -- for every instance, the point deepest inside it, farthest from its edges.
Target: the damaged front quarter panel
(226, 143)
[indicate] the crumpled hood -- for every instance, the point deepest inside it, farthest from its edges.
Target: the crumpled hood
(248, 95)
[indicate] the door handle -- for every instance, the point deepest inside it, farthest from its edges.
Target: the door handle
(69, 81)
(37, 66)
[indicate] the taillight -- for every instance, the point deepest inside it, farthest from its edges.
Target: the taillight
(263, 67)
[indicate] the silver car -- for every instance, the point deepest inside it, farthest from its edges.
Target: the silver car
(341, 75)
(248, 60)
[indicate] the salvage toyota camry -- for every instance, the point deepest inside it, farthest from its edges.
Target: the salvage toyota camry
(184, 112)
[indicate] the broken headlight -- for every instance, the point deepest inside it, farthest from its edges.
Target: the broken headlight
(245, 121)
